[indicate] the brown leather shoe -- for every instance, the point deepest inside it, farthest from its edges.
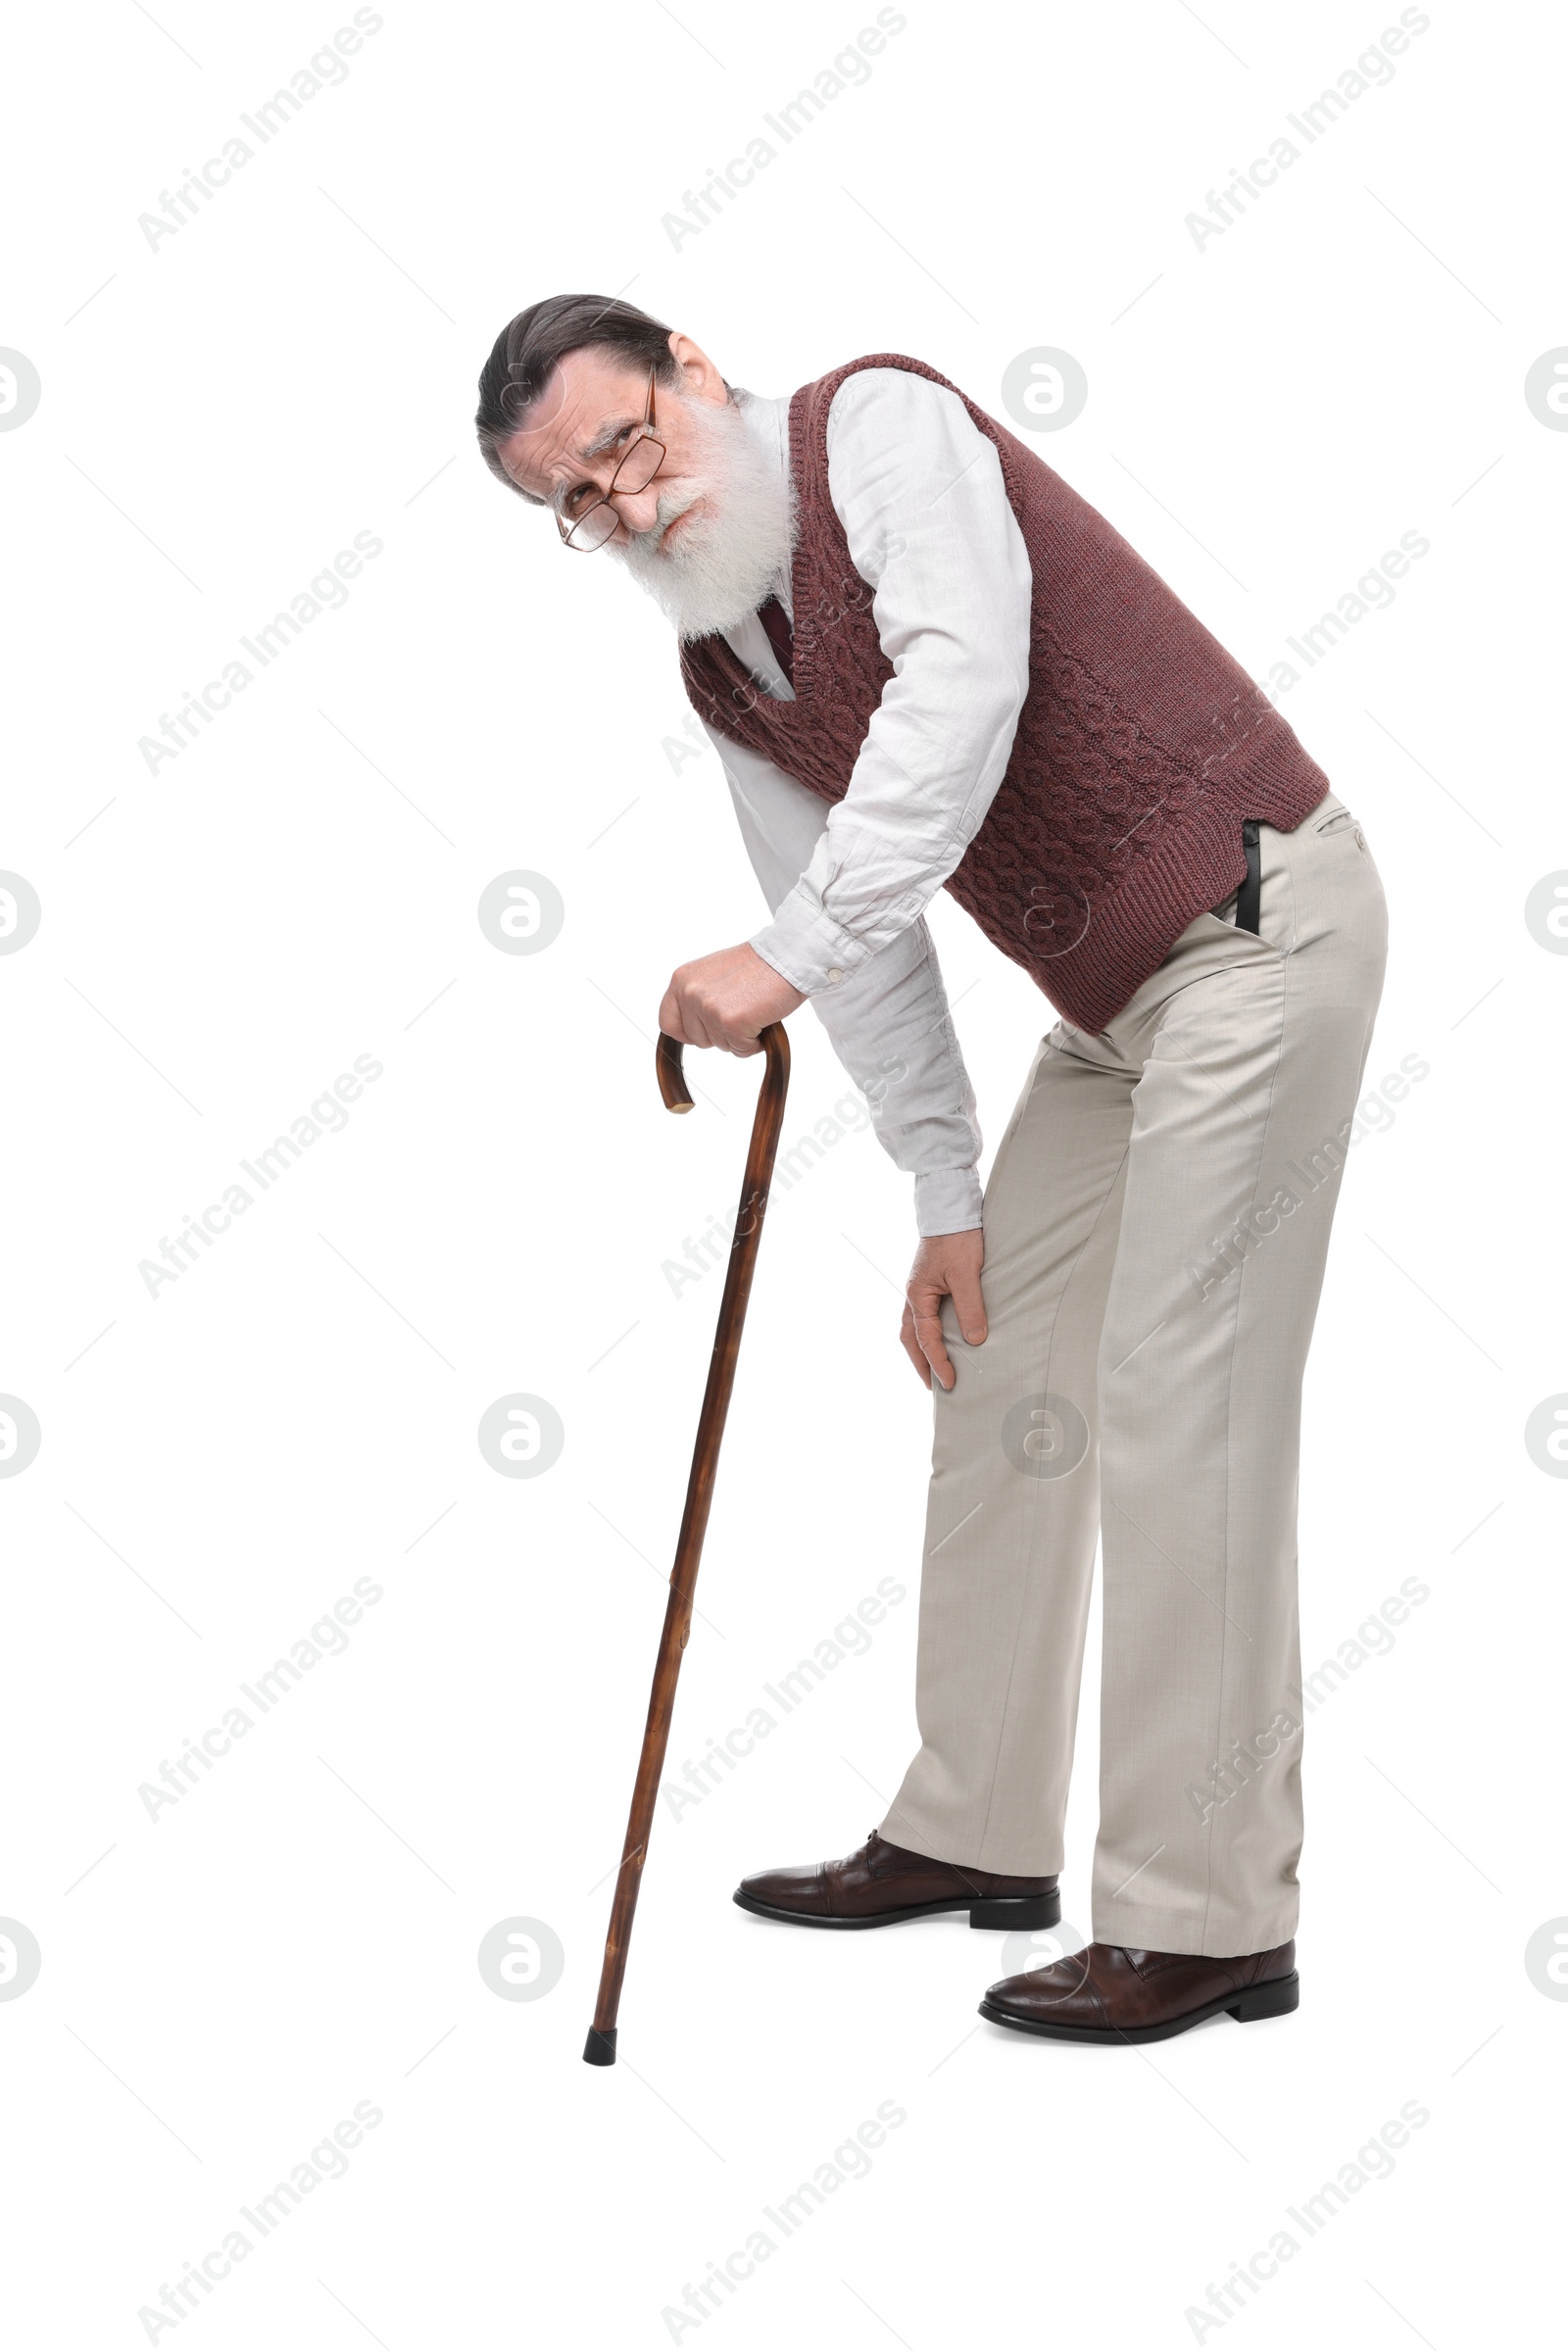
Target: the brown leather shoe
(1105, 1994)
(882, 1884)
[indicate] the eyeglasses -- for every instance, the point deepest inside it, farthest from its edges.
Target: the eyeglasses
(598, 524)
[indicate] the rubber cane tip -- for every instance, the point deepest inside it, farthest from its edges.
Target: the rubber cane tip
(600, 2048)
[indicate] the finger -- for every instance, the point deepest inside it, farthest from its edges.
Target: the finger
(730, 1040)
(928, 1331)
(694, 1027)
(970, 1306)
(670, 1022)
(911, 1348)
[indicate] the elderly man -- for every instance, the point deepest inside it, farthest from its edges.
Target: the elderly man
(923, 660)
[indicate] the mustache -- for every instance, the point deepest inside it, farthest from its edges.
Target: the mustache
(672, 503)
(722, 563)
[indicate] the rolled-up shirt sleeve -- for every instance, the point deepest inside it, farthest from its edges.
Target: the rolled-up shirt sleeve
(918, 490)
(888, 1021)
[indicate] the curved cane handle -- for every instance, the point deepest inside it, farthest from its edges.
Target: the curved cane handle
(671, 1077)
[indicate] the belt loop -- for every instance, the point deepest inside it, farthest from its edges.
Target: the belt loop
(1249, 897)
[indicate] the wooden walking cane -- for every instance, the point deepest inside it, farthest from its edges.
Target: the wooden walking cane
(769, 1118)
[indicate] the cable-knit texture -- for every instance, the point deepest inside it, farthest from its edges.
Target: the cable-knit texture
(1140, 747)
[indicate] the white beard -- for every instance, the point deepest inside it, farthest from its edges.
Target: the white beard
(728, 560)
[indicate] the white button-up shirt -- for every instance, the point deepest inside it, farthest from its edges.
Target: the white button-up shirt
(919, 493)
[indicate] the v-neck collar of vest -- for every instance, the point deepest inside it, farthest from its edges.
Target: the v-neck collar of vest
(808, 481)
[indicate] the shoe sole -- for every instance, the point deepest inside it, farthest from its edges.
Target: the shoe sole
(1006, 1912)
(1278, 1997)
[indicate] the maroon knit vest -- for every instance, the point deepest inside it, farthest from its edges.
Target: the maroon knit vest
(1140, 747)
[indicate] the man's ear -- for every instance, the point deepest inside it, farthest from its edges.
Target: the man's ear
(700, 378)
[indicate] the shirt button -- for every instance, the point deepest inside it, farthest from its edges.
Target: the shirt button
(834, 978)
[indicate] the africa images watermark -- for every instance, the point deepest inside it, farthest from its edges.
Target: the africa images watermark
(327, 1638)
(1229, 1774)
(712, 1246)
(1373, 2161)
(327, 2160)
(849, 69)
(1373, 593)
(1311, 1170)
(326, 1115)
(325, 593)
(1246, 1761)
(326, 70)
(851, 1638)
(1374, 69)
(850, 2159)
(1373, 1638)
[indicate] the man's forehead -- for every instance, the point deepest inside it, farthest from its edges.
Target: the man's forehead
(583, 398)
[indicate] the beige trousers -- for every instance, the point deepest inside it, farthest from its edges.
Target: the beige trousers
(1156, 1230)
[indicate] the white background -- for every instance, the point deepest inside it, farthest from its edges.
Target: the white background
(219, 1463)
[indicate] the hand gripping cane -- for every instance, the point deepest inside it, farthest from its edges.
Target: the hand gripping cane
(601, 2044)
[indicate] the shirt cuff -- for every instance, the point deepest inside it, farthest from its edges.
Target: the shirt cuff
(807, 946)
(948, 1201)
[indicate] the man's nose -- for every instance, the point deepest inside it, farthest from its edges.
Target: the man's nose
(638, 509)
